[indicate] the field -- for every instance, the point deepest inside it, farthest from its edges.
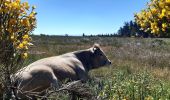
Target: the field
(140, 67)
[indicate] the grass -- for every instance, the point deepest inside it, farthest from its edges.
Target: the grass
(136, 86)
(139, 70)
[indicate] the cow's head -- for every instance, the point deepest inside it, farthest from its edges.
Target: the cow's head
(98, 57)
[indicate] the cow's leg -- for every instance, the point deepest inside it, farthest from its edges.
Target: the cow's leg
(83, 76)
(54, 86)
(73, 96)
(33, 98)
(55, 83)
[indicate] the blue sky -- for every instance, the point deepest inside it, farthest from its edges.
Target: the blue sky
(75, 17)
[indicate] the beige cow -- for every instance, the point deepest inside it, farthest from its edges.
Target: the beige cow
(43, 73)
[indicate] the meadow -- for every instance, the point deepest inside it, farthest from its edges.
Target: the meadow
(140, 67)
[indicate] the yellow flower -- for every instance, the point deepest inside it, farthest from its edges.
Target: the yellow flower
(25, 36)
(164, 25)
(20, 46)
(153, 10)
(163, 29)
(168, 1)
(161, 4)
(142, 25)
(24, 55)
(162, 15)
(153, 31)
(26, 5)
(15, 5)
(25, 42)
(25, 22)
(163, 11)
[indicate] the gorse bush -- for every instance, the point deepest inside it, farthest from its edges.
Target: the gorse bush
(15, 26)
(155, 18)
(17, 21)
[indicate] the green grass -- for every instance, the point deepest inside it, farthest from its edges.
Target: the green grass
(139, 70)
(136, 86)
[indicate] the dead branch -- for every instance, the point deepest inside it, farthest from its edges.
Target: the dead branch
(76, 87)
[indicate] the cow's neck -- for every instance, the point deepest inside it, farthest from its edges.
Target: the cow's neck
(85, 57)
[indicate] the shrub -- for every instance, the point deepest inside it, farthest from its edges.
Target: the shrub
(155, 18)
(16, 24)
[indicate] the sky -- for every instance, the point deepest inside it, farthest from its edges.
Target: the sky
(75, 17)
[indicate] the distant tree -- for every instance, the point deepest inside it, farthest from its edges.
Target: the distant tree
(132, 29)
(91, 35)
(84, 35)
(42, 34)
(125, 30)
(66, 34)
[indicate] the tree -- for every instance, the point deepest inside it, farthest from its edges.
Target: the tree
(132, 29)
(16, 24)
(83, 35)
(155, 18)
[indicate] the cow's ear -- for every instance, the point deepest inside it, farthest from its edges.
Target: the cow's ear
(96, 47)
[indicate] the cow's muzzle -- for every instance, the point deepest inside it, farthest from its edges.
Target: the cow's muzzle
(108, 62)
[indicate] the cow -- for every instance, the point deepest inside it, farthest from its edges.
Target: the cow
(45, 72)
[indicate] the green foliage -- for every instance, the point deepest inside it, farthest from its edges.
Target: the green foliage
(138, 86)
(131, 29)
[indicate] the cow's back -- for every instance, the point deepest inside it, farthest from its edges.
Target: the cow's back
(64, 66)
(42, 72)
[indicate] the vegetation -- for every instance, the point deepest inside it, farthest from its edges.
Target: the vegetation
(155, 18)
(134, 86)
(139, 70)
(132, 29)
(140, 67)
(16, 24)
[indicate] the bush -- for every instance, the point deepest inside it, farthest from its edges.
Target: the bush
(155, 18)
(16, 25)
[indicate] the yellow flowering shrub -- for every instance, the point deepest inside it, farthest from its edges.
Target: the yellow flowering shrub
(16, 24)
(17, 21)
(155, 18)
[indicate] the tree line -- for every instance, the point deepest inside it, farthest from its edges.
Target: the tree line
(130, 29)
